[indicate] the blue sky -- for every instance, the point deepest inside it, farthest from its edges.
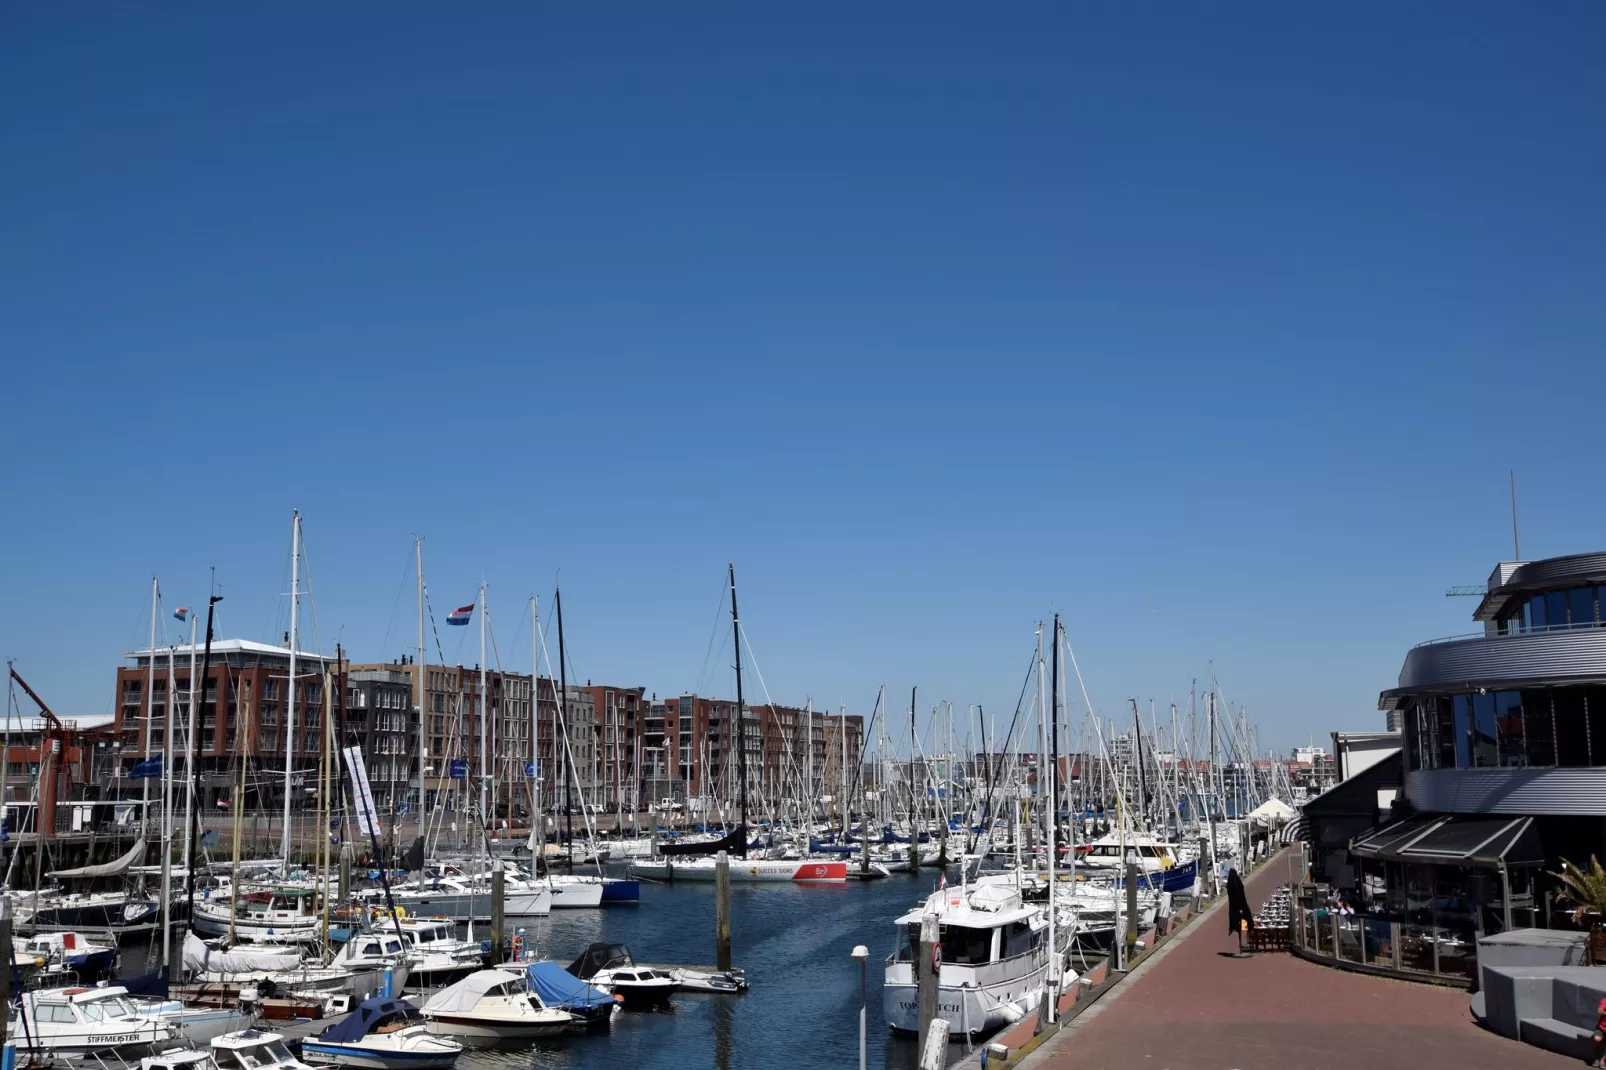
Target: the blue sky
(1215, 330)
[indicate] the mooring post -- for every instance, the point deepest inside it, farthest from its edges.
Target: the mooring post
(722, 911)
(1131, 910)
(498, 891)
(928, 959)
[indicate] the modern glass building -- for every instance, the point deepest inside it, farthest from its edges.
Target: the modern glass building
(1505, 756)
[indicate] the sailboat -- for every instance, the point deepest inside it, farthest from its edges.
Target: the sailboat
(698, 866)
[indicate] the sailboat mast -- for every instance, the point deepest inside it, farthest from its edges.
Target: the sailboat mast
(741, 725)
(189, 772)
(290, 704)
(536, 772)
(167, 812)
(485, 717)
(419, 681)
(566, 756)
(150, 706)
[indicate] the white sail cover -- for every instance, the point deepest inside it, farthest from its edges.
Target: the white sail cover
(198, 958)
(466, 994)
(115, 868)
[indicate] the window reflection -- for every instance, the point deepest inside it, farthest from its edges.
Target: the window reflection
(1572, 730)
(1463, 730)
(1539, 726)
(1485, 752)
(1508, 719)
(1581, 607)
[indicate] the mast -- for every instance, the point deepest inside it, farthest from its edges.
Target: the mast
(536, 772)
(914, 835)
(485, 717)
(189, 772)
(418, 674)
(150, 709)
(239, 802)
(167, 814)
(567, 756)
(189, 740)
(1210, 803)
(290, 707)
(1051, 796)
(741, 724)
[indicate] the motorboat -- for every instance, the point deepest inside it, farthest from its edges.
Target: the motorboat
(381, 950)
(994, 965)
(1110, 855)
(440, 955)
(272, 915)
(383, 1034)
(254, 1049)
(76, 1021)
(493, 1005)
(611, 968)
(66, 951)
(559, 988)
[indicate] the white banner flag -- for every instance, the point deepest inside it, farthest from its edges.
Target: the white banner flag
(367, 819)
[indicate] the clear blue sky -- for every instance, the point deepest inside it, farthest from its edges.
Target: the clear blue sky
(1214, 327)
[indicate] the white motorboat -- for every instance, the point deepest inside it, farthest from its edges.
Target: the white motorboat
(994, 960)
(253, 1049)
(440, 955)
(493, 1005)
(383, 1034)
(611, 968)
(1109, 855)
(65, 951)
(76, 1021)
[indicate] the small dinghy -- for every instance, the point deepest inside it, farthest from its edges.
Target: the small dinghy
(382, 1034)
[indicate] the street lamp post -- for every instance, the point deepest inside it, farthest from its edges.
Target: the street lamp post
(861, 955)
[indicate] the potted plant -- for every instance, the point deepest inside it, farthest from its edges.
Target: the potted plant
(1585, 891)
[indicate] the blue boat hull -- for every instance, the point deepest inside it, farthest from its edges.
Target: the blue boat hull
(621, 891)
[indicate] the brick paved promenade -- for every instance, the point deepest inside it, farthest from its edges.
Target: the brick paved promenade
(1194, 1009)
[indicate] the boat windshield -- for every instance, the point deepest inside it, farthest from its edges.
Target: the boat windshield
(102, 1009)
(280, 1053)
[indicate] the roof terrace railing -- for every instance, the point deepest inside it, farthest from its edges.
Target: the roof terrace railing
(1584, 626)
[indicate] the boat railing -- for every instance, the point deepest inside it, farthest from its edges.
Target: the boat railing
(1544, 629)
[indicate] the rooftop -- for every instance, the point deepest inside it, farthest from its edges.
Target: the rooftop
(222, 647)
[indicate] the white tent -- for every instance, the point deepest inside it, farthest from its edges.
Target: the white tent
(1272, 812)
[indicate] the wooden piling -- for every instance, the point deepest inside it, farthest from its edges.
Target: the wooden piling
(927, 960)
(722, 911)
(498, 892)
(1131, 909)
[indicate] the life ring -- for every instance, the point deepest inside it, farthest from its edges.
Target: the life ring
(518, 947)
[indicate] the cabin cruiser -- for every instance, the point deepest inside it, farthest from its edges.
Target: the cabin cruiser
(493, 1005)
(1109, 855)
(76, 1021)
(559, 988)
(382, 1034)
(438, 954)
(273, 915)
(995, 959)
(611, 968)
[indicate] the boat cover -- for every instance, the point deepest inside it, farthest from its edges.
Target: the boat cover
(115, 868)
(559, 988)
(466, 994)
(199, 958)
(600, 956)
(369, 1015)
(732, 842)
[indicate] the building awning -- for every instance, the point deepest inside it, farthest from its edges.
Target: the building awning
(1454, 840)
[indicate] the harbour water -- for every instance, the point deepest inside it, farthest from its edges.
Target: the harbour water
(793, 940)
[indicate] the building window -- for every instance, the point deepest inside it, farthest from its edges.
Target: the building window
(1462, 714)
(1511, 744)
(1572, 726)
(1539, 724)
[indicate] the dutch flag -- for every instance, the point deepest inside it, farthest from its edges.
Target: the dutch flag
(182, 613)
(460, 615)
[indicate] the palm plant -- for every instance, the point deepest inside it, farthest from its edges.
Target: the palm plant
(1584, 890)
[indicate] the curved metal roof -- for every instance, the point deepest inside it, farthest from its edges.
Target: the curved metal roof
(1532, 577)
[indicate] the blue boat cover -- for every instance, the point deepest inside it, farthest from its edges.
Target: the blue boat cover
(558, 987)
(369, 1015)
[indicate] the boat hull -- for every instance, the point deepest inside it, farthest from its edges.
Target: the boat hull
(480, 1030)
(355, 1055)
(755, 871)
(968, 1010)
